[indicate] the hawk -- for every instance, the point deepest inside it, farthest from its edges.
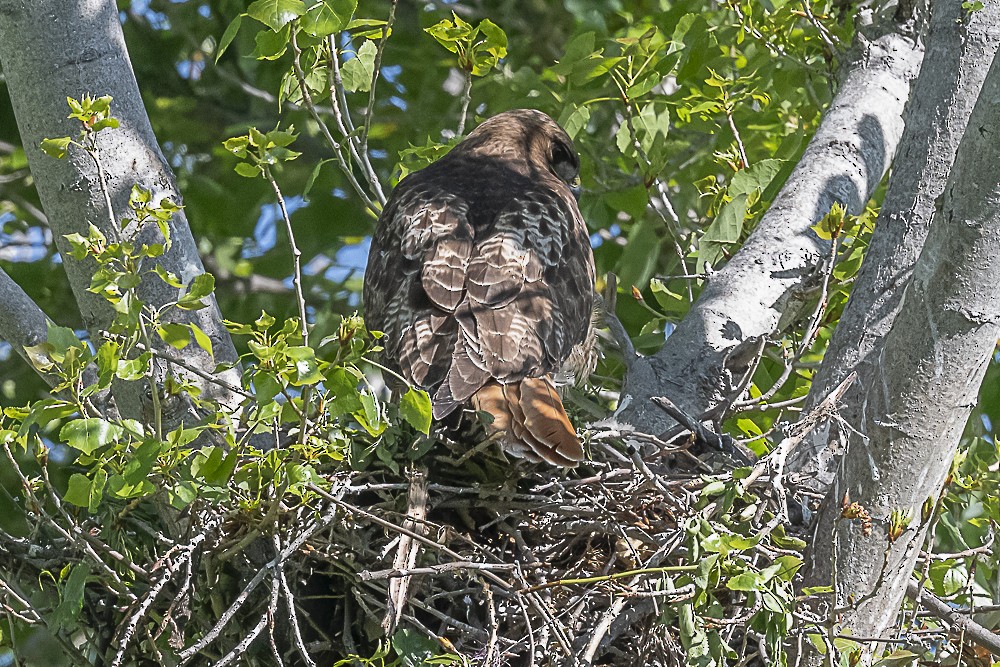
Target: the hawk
(481, 277)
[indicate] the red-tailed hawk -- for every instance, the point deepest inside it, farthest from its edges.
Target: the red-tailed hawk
(481, 276)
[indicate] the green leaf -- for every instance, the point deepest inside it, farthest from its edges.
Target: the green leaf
(276, 14)
(357, 72)
(328, 17)
(237, 145)
(900, 657)
(133, 369)
(70, 599)
(642, 252)
(313, 176)
(247, 170)
(415, 408)
(271, 45)
(576, 121)
(495, 46)
(413, 648)
(228, 36)
(671, 302)
(201, 286)
(266, 386)
(78, 492)
(745, 581)
(175, 335)
(221, 472)
(832, 223)
(168, 277)
(62, 339)
(104, 123)
(202, 339)
(370, 416)
(755, 177)
(88, 435)
(713, 489)
(448, 33)
(726, 229)
(345, 398)
(56, 148)
(108, 356)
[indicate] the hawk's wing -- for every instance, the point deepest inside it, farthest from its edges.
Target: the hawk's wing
(420, 248)
(485, 305)
(528, 294)
(461, 305)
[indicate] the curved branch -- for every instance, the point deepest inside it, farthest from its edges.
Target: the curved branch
(763, 283)
(52, 49)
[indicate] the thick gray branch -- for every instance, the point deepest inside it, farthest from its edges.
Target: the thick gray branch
(51, 49)
(923, 387)
(22, 322)
(844, 162)
(958, 47)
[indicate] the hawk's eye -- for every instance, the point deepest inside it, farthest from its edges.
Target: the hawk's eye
(575, 187)
(565, 162)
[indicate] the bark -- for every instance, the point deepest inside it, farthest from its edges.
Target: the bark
(764, 281)
(922, 389)
(51, 49)
(22, 322)
(958, 46)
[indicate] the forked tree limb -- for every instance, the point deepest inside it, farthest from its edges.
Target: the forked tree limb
(763, 283)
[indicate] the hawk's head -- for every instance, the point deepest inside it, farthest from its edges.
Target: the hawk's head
(529, 140)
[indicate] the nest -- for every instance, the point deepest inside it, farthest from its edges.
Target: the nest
(461, 556)
(501, 564)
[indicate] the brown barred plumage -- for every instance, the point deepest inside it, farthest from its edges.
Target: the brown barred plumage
(481, 276)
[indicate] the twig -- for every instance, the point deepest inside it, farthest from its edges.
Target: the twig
(466, 99)
(618, 332)
(255, 631)
(373, 575)
(187, 654)
(983, 636)
(296, 256)
(324, 130)
(128, 628)
(720, 442)
(370, 109)
(208, 377)
(612, 577)
(736, 134)
(293, 617)
(407, 550)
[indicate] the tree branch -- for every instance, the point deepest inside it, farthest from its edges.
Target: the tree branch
(923, 387)
(959, 45)
(844, 162)
(79, 46)
(22, 323)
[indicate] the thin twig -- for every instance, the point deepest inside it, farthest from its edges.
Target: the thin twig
(466, 99)
(300, 77)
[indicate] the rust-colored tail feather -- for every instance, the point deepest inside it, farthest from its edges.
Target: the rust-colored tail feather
(533, 421)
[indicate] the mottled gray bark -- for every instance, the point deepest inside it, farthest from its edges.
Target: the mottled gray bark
(51, 49)
(765, 280)
(923, 386)
(959, 46)
(22, 322)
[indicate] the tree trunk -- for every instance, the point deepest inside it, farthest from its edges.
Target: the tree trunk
(922, 388)
(844, 162)
(51, 49)
(958, 46)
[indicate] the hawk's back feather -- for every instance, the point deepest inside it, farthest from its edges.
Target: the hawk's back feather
(481, 276)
